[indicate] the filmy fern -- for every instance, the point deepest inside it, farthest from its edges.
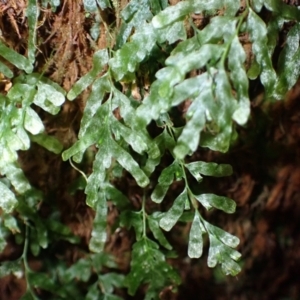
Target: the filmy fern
(218, 97)
(20, 125)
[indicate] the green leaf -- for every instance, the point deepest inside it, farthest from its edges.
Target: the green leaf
(133, 219)
(220, 28)
(195, 59)
(42, 233)
(27, 208)
(8, 267)
(48, 98)
(111, 280)
(5, 70)
(48, 142)
(289, 63)
(97, 178)
(219, 112)
(257, 5)
(219, 253)
(15, 58)
(93, 292)
(16, 176)
(133, 15)
(90, 5)
(132, 8)
(153, 105)
(32, 122)
(99, 235)
(34, 78)
(170, 218)
(165, 180)
(99, 88)
(195, 247)
(42, 281)
(32, 13)
(128, 163)
(159, 193)
(21, 92)
(8, 156)
(208, 169)
(181, 9)
(127, 107)
(258, 36)
(22, 136)
(226, 238)
(170, 77)
(153, 222)
(285, 10)
(231, 7)
(190, 136)
(54, 4)
(132, 137)
(10, 222)
(101, 260)
(165, 141)
(133, 133)
(167, 175)
(238, 76)
(214, 85)
(187, 46)
(150, 165)
(80, 270)
(254, 70)
(275, 25)
(59, 231)
(172, 14)
(220, 249)
(148, 266)
(126, 59)
(119, 199)
(92, 127)
(80, 146)
(219, 202)
(104, 3)
(189, 88)
(100, 59)
(172, 33)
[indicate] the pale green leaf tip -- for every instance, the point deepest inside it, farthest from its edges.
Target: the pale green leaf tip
(156, 22)
(194, 251)
(71, 95)
(65, 155)
(8, 200)
(241, 115)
